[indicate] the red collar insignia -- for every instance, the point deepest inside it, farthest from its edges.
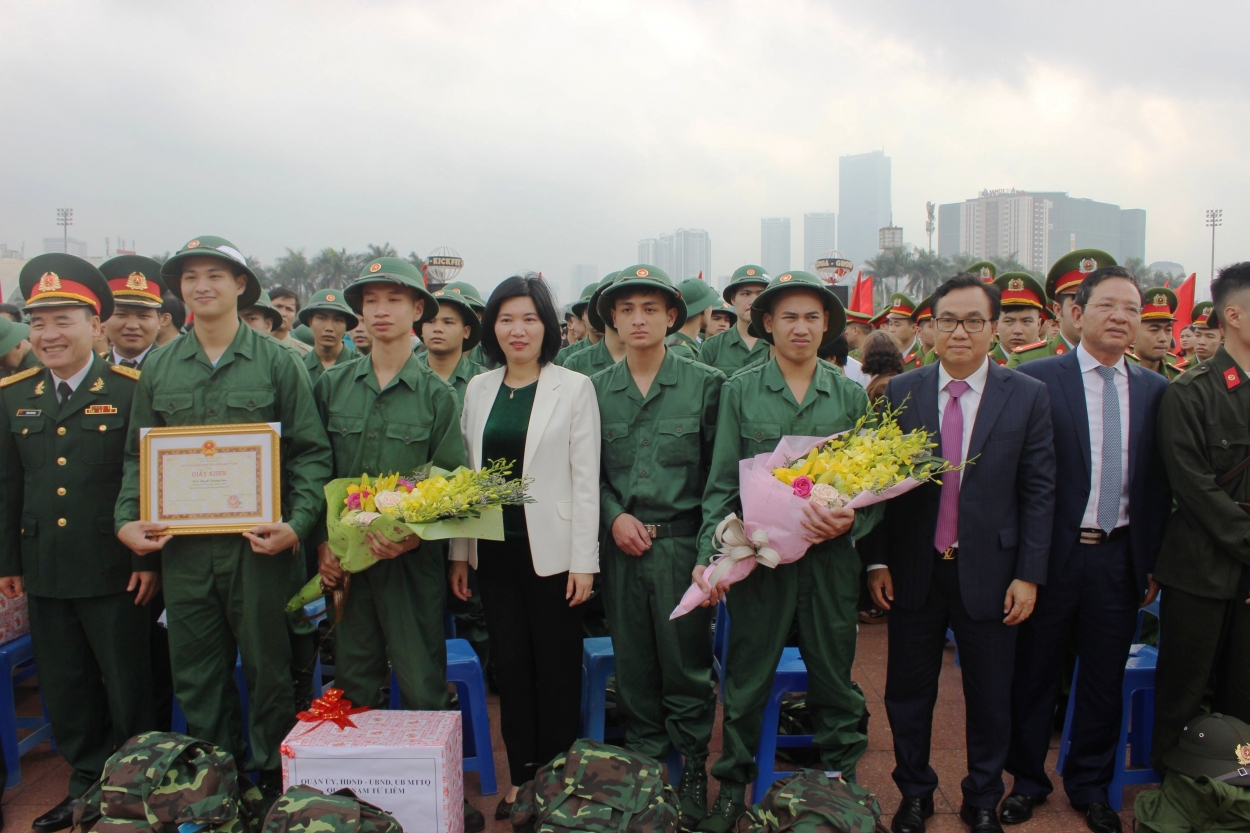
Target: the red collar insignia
(1232, 378)
(1060, 349)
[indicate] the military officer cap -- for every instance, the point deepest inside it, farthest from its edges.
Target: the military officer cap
(697, 296)
(579, 306)
(461, 295)
(327, 300)
(392, 270)
(877, 320)
(11, 334)
(304, 334)
(208, 246)
(1160, 304)
(984, 270)
(901, 306)
(855, 317)
(1020, 289)
(749, 275)
(728, 309)
(1203, 315)
(642, 276)
(1069, 271)
(61, 280)
(1215, 745)
(787, 283)
(592, 303)
(134, 280)
(924, 310)
(265, 304)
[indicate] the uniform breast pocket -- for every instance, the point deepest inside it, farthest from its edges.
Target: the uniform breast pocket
(679, 441)
(759, 437)
(251, 405)
(174, 406)
(410, 441)
(341, 425)
(28, 433)
(1227, 445)
(618, 450)
(104, 438)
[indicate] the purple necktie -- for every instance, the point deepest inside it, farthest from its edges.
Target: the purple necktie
(952, 449)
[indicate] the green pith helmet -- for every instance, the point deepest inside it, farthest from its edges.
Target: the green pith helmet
(1159, 305)
(789, 282)
(304, 334)
(592, 303)
(392, 270)
(748, 275)
(729, 310)
(1020, 289)
(328, 300)
(265, 304)
(457, 296)
(209, 246)
(641, 276)
(61, 280)
(1215, 745)
(1069, 271)
(134, 280)
(984, 270)
(578, 307)
(697, 295)
(11, 334)
(468, 292)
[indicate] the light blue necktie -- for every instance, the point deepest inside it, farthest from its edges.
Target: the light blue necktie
(1112, 479)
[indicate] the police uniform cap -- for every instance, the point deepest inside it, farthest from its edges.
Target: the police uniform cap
(207, 245)
(1020, 289)
(1159, 304)
(984, 270)
(1068, 272)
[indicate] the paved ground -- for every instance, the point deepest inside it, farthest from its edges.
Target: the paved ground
(44, 774)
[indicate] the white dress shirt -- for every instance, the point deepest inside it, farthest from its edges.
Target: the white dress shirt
(1093, 408)
(117, 357)
(855, 372)
(73, 381)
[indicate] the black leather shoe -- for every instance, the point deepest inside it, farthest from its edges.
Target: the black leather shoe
(1099, 817)
(1018, 809)
(911, 815)
(58, 818)
(980, 819)
(503, 810)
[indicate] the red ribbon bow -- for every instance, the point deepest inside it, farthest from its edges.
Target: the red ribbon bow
(331, 708)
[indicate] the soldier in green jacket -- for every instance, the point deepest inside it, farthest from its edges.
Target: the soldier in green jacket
(658, 413)
(791, 394)
(330, 319)
(699, 299)
(735, 348)
(1204, 562)
(1062, 282)
(578, 308)
(225, 594)
(609, 350)
(450, 336)
(16, 354)
(62, 436)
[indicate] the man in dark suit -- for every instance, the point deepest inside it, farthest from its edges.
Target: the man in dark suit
(1109, 516)
(966, 554)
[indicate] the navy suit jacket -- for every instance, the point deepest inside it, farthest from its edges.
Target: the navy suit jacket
(1149, 496)
(1006, 495)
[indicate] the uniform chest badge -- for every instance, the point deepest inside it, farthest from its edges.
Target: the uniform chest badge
(1231, 378)
(29, 412)
(93, 410)
(39, 387)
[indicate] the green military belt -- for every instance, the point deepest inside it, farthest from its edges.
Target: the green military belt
(675, 529)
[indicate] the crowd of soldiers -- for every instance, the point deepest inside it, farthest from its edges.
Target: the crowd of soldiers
(370, 378)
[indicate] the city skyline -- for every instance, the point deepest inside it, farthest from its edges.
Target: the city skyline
(775, 245)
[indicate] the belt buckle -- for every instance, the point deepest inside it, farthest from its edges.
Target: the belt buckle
(652, 529)
(948, 554)
(1093, 536)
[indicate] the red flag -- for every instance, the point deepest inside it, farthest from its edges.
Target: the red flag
(700, 274)
(1184, 307)
(861, 296)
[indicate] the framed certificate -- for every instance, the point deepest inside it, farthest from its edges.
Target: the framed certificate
(210, 479)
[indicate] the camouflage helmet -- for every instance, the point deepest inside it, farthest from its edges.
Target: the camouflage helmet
(304, 809)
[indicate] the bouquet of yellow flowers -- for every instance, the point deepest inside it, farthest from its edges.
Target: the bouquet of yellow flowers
(874, 461)
(431, 503)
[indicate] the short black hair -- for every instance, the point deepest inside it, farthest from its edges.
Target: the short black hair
(1106, 273)
(285, 292)
(1230, 280)
(967, 280)
(176, 309)
(532, 286)
(12, 312)
(835, 351)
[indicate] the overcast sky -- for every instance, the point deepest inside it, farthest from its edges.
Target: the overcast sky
(540, 135)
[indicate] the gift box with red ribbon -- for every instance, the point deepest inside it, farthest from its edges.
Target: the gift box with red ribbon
(14, 621)
(407, 763)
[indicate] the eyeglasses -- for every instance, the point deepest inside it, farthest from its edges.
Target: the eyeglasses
(971, 325)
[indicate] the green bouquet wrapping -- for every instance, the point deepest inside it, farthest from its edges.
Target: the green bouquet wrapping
(431, 503)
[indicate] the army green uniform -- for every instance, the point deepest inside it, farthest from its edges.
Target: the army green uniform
(90, 638)
(572, 350)
(1204, 563)
(914, 357)
(1056, 345)
(1172, 367)
(465, 370)
(592, 360)
(683, 345)
(28, 361)
(998, 353)
(728, 351)
(11, 335)
(312, 362)
(224, 599)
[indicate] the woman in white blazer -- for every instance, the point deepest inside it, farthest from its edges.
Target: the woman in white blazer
(546, 419)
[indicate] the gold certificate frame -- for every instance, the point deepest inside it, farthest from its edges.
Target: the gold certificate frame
(211, 479)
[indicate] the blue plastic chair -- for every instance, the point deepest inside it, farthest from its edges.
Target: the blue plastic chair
(17, 663)
(950, 637)
(791, 676)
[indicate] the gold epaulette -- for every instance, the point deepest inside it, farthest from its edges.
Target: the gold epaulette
(1181, 361)
(128, 372)
(17, 377)
(1032, 346)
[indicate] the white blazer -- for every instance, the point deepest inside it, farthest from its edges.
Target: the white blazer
(561, 454)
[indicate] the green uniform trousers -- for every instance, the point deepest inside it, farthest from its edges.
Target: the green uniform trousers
(95, 674)
(225, 601)
(820, 590)
(663, 668)
(395, 610)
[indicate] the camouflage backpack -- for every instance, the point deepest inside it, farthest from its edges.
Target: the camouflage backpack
(809, 801)
(307, 810)
(159, 781)
(596, 788)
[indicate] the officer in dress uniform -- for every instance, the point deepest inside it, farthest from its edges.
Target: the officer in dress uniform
(1062, 282)
(736, 348)
(1206, 332)
(1020, 319)
(63, 433)
(858, 327)
(986, 271)
(923, 318)
(898, 322)
(136, 320)
(1154, 337)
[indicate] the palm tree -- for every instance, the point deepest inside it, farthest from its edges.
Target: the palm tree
(293, 270)
(334, 268)
(891, 263)
(928, 270)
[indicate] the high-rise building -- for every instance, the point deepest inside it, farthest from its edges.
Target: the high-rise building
(775, 245)
(648, 250)
(584, 274)
(58, 244)
(863, 203)
(950, 228)
(683, 254)
(820, 235)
